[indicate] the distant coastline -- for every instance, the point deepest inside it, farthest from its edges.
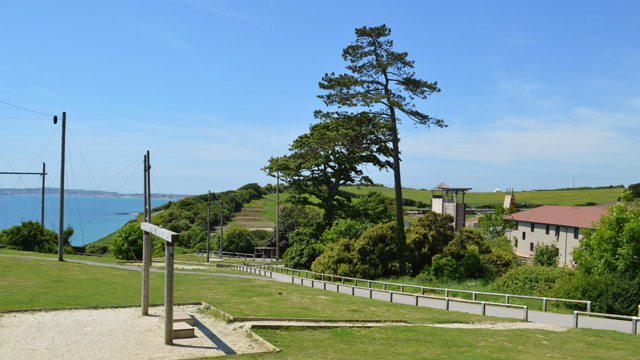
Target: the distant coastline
(79, 192)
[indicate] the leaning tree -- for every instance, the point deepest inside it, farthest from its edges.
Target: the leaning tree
(380, 83)
(330, 156)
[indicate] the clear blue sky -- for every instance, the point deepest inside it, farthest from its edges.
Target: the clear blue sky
(536, 94)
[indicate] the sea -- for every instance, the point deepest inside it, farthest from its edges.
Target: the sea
(91, 217)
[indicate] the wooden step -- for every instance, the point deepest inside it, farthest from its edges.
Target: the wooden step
(179, 317)
(180, 330)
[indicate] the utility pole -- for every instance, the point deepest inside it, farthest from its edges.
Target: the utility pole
(61, 229)
(277, 216)
(42, 207)
(146, 239)
(208, 222)
(221, 222)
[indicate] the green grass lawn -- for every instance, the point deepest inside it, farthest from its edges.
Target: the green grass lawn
(36, 284)
(419, 342)
(32, 283)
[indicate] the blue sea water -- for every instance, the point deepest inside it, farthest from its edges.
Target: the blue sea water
(92, 218)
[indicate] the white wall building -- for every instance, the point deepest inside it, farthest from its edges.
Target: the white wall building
(551, 224)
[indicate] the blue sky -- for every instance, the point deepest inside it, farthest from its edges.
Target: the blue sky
(539, 94)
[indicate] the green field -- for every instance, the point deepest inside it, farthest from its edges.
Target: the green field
(32, 283)
(547, 197)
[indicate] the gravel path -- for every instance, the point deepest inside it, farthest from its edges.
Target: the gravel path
(117, 334)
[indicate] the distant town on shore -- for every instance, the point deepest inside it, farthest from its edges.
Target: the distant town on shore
(80, 192)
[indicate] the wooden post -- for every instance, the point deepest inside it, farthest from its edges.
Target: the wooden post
(61, 227)
(42, 206)
(208, 222)
(221, 223)
(170, 238)
(168, 293)
(146, 244)
(278, 217)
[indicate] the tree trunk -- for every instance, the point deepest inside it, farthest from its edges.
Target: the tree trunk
(401, 239)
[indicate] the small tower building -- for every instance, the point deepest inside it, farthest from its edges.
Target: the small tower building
(448, 200)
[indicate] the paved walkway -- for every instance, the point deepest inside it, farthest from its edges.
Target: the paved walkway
(548, 318)
(135, 268)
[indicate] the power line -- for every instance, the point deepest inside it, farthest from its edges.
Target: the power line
(24, 108)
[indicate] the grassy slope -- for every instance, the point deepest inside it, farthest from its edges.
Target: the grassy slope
(566, 197)
(28, 283)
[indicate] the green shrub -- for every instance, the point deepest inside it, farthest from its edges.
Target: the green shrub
(426, 238)
(304, 249)
(501, 260)
(531, 280)
(371, 256)
(546, 255)
(127, 244)
(610, 293)
(445, 267)
(464, 239)
(29, 236)
(473, 265)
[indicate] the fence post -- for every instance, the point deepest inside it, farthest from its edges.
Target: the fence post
(416, 300)
(312, 283)
(634, 325)
(575, 319)
(391, 296)
(401, 288)
(483, 308)
(370, 293)
(589, 306)
(446, 303)
(324, 285)
(422, 291)
(526, 314)
(446, 293)
(353, 291)
(384, 286)
(369, 286)
(474, 296)
(292, 279)
(337, 288)
(506, 299)
(544, 304)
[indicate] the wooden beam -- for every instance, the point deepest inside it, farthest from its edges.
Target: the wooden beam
(160, 232)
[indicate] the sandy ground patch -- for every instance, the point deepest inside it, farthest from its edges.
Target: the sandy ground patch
(116, 334)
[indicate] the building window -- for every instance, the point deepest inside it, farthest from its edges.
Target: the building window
(524, 236)
(530, 246)
(576, 233)
(546, 229)
(532, 224)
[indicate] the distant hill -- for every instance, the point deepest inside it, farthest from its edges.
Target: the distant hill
(80, 192)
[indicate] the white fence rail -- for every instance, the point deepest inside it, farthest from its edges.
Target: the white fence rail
(447, 292)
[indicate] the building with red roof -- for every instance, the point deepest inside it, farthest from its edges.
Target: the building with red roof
(552, 224)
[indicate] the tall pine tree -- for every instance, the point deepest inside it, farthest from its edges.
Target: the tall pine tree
(382, 84)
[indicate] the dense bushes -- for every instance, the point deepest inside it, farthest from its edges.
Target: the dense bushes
(127, 244)
(426, 238)
(610, 293)
(532, 280)
(29, 236)
(371, 256)
(546, 255)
